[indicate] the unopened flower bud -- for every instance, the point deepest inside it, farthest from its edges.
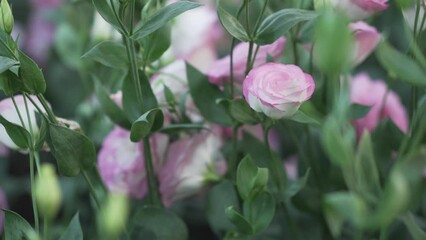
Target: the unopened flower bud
(114, 215)
(6, 17)
(48, 192)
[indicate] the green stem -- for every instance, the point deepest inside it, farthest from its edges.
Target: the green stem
(37, 107)
(276, 166)
(422, 25)
(17, 111)
(123, 28)
(131, 54)
(294, 43)
(132, 15)
(383, 233)
(259, 19)
(46, 230)
(292, 226)
(33, 197)
(154, 195)
(249, 57)
(418, 6)
(233, 162)
(231, 54)
(92, 189)
(414, 101)
(46, 107)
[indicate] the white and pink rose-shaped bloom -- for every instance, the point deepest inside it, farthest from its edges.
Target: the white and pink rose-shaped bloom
(220, 70)
(277, 90)
(3, 205)
(366, 40)
(359, 9)
(8, 111)
(190, 161)
(384, 104)
(121, 162)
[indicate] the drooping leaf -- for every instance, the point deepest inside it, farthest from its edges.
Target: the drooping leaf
(106, 11)
(31, 75)
(19, 135)
(205, 95)
(147, 123)
(72, 150)
(162, 17)
(16, 227)
(6, 63)
(109, 53)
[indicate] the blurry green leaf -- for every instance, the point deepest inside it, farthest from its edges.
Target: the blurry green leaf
(105, 10)
(294, 187)
(147, 123)
(16, 227)
(365, 169)
(250, 178)
(19, 135)
(31, 75)
(239, 221)
(173, 128)
(72, 150)
(205, 95)
(169, 96)
(156, 44)
(415, 231)
(10, 83)
(340, 207)
(109, 53)
(7, 46)
(220, 197)
(157, 223)
(131, 104)
(6, 63)
(162, 16)
(41, 138)
(357, 111)
(260, 211)
(338, 142)
(232, 25)
(241, 111)
(301, 117)
(279, 23)
(69, 45)
(110, 108)
(400, 65)
(73, 231)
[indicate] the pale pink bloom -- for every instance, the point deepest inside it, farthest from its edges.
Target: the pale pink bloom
(220, 70)
(277, 90)
(3, 205)
(359, 9)
(384, 104)
(366, 40)
(121, 162)
(189, 162)
(8, 111)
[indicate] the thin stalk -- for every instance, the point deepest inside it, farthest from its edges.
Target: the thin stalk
(233, 162)
(259, 19)
(311, 159)
(46, 234)
(248, 18)
(132, 15)
(92, 189)
(37, 160)
(19, 113)
(30, 127)
(311, 59)
(422, 25)
(294, 43)
(33, 197)
(36, 106)
(249, 57)
(154, 195)
(123, 28)
(416, 20)
(131, 54)
(46, 107)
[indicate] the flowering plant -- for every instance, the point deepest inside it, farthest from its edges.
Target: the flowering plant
(204, 119)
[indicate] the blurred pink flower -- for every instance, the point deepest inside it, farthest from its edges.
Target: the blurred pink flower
(277, 90)
(190, 162)
(121, 162)
(3, 205)
(290, 165)
(219, 71)
(360, 9)
(384, 103)
(366, 40)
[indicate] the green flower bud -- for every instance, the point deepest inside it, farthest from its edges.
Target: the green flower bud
(114, 214)
(48, 192)
(6, 17)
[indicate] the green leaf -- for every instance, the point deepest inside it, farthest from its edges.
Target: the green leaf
(294, 187)
(149, 122)
(250, 178)
(73, 231)
(301, 117)
(220, 197)
(159, 224)
(31, 75)
(162, 16)
(109, 53)
(238, 220)
(73, 151)
(400, 65)
(205, 95)
(156, 44)
(173, 128)
(340, 207)
(10, 83)
(260, 211)
(41, 138)
(114, 112)
(19, 135)
(279, 23)
(232, 25)
(105, 10)
(415, 231)
(16, 227)
(6, 63)
(242, 112)
(357, 111)
(131, 105)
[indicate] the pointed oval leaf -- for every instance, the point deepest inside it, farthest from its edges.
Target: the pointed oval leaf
(246, 173)
(149, 122)
(279, 23)
(162, 16)
(109, 53)
(105, 10)
(6, 63)
(73, 151)
(260, 211)
(232, 25)
(73, 231)
(239, 221)
(242, 112)
(10, 83)
(31, 75)
(16, 227)
(19, 135)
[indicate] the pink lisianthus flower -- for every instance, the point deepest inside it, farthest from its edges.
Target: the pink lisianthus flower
(3, 205)
(384, 104)
(277, 90)
(191, 162)
(121, 162)
(366, 40)
(220, 70)
(359, 9)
